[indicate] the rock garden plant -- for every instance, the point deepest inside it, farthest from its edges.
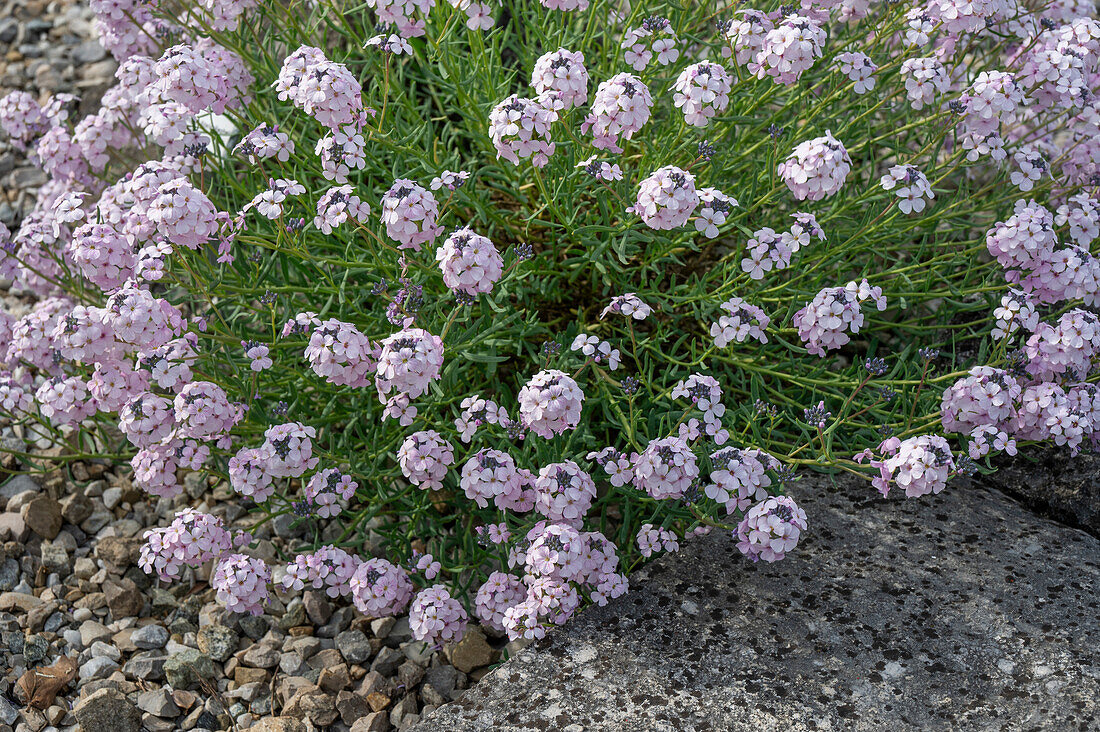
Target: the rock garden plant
(496, 301)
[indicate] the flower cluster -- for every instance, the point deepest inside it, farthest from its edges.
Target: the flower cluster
(666, 198)
(770, 529)
(816, 168)
(702, 92)
(520, 129)
(470, 262)
(834, 312)
(550, 403)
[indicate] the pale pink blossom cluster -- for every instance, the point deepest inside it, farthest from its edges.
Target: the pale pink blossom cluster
(409, 212)
(770, 529)
(1031, 165)
(741, 321)
(491, 475)
(477, 412)
(147, 419)
(248, 474)
(203, 411)
(714, 208)
(550, 403)
(628, 304)
(825, 322)
(564, 492)
(380, 589)
(1017, 310)
(470, 262)
(993, 97)
(666, 468)
(192, 539)
(65, 401)
(498, 593)
(104, 254)
(563, 73)
(424, 458)
(1082, 214)
(328, 491)
(768, 250)
(324, 90)
(290, 449)
(816, 168)
(410, 360)
(621, 108)
(1026, 245)
(597, 350)
(22, 119)
(918, 465)
(790, 49)
(1068, 349)
(912, 187)
(520, 129)
(860, 70)
(407, 16)
(705, 394)
(654, 38)
(738, 477)
(666, 198)
(265, 142)
(329, 568)
(201, 76)
(985, 438)
(925, 79)
(702, 92)
(436, 617)
(183, 214)
(558, 561)
(337, 206)
(341, 355)
(985, 396)
(565, 5)
(745, 37)
(653, 539)
(241, 583)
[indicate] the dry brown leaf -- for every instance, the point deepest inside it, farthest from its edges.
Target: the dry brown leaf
(41, 685)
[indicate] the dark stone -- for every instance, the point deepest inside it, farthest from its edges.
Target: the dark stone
(1054, 484)
(959, 611)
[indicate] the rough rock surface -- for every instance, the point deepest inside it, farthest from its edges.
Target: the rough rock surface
(959, 611)
(1055, 484)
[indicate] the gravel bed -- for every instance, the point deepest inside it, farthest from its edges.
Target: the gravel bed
(88, 641)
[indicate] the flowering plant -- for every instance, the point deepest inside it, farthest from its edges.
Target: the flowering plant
(500, 303)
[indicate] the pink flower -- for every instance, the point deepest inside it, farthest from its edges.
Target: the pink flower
(329, 567)
(620, 108)
(816, 168)
(410, 360)
(550, 403)
(564, 492)
(436, 617)
(500, 592)
(651, 539)
(470, 262)
(520, 129)
(702, 92)
(380, 589)
(424, 458)
(290, 447)
(770, 529)
(409, 213)
(248, 474)
(241, 583)
(666, 468)
(563, 73)
(667, 198)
